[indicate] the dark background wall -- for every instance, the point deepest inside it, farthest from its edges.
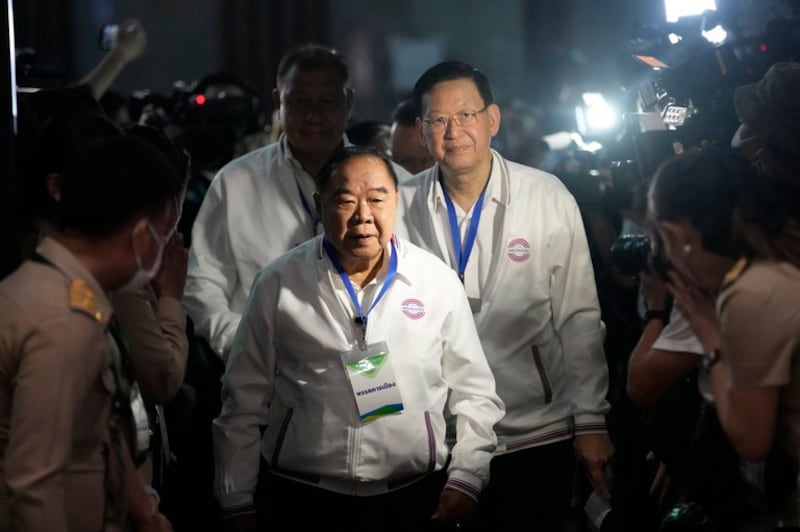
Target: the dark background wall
(526, 46)
(185, 39)
(533, 50)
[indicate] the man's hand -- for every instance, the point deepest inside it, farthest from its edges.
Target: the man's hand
(455, 509)
(594, 451)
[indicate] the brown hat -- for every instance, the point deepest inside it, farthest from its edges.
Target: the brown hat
(771, 106)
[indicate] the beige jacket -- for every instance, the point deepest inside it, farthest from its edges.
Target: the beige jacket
(155, 330)
(55, 395)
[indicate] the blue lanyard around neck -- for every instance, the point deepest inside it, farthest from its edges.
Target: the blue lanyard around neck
(306, 207)
(462, 255)
(362, 317)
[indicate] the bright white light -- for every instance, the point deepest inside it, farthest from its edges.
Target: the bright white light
(592, 146)
(674, 38)
(601, 117)
(592, 98)
(597, 114)
(676, 9)
(715, 35)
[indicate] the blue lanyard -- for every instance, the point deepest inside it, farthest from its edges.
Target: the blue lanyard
(306, 206)
(362, 317)
(462, 255)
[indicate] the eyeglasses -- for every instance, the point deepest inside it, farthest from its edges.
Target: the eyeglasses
(461, 119)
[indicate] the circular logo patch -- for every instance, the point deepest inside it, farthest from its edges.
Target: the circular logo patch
(518, 250)
(413, 308)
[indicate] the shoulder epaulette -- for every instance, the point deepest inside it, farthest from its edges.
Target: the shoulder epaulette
(82, 299)
(736, 271)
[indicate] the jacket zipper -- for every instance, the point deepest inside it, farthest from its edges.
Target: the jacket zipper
(355, 441)
(537, 359)
(281, 436)
(431, 442)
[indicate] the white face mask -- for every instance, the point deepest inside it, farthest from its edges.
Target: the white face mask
(142, 275)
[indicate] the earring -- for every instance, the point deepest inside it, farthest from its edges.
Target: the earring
(687, 250)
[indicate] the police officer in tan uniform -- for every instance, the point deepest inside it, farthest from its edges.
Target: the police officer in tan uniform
(60, 455)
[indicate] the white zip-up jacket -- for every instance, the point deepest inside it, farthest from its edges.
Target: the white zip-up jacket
(539, 320)
(285, 373)
(252, 213)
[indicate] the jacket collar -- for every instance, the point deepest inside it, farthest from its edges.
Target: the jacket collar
(404, 268)
(285, 155)
(497, 191)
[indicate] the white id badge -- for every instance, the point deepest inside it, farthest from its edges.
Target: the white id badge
(373, 381)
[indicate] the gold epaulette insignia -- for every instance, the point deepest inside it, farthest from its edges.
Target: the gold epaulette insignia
(735, 271)
(81, 298)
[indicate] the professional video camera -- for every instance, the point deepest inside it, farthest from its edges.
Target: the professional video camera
(208, 118)
(684, 83)
(683, 90)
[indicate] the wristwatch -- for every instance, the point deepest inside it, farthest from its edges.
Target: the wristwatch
(655, 315)
(711, 358)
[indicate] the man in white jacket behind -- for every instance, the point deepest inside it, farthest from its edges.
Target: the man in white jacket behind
(514, 236)
(260, 205)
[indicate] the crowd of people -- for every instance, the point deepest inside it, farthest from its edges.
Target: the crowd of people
(395, 326)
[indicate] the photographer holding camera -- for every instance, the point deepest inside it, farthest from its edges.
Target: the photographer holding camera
(661, 382)
(733, 245)
(696, 470)
(668, 350)
(768, 111)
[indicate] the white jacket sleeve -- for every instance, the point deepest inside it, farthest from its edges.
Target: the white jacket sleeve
(212, 275)
(473, 399)
(576, 318)
(246, 389)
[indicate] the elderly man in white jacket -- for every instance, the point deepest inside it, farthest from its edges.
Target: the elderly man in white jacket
(351, 347)
(514, 236)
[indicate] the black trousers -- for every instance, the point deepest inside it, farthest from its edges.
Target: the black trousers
(529, 489)
(284, 504)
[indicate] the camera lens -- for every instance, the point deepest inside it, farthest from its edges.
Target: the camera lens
(686, 517)
(630, 254)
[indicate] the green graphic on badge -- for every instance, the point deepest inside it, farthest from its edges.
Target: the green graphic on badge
(372, 378)
(368, 367)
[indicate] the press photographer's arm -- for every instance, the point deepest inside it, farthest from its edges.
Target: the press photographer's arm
(129, 44)
(663, 354)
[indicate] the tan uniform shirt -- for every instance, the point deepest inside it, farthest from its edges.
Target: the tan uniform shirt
(760, 321)
(55, 395)
(155, 331)
(761, 338)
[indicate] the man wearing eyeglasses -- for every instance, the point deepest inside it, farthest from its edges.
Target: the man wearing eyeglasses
(514, 236)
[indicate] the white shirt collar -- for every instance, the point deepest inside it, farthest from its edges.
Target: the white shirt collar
(496, 189)
(403, 266)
